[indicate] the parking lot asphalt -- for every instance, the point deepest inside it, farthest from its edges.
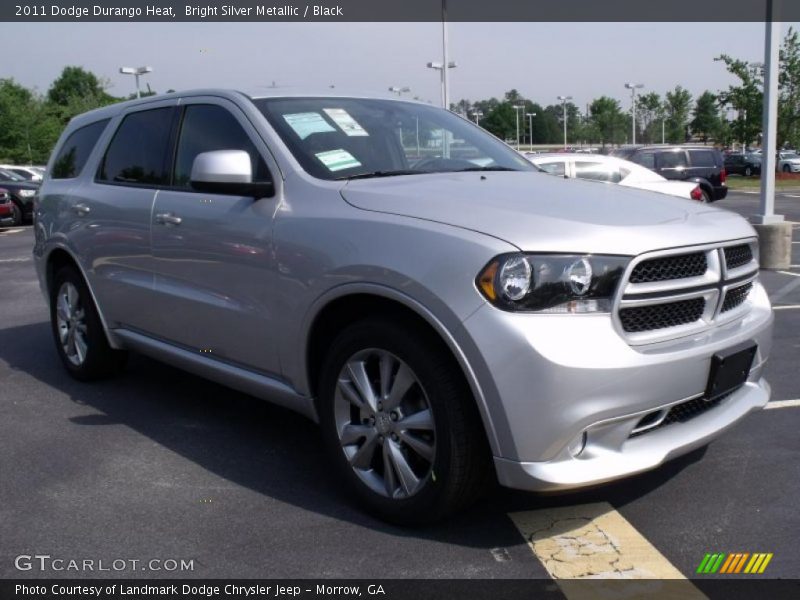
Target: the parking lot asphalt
(160, 464)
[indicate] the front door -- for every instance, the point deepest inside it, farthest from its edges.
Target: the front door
(212, 252)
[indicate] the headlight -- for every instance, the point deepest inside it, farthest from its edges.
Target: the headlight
(27, 193)
(552, 283)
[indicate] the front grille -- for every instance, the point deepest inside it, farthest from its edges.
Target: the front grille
(660, 316)
(736, 296)
(680, 413)
(737, 256)
(670, 267)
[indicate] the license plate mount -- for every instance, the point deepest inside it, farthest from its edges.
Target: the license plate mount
(729, 370)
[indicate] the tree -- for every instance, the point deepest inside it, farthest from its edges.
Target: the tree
(649, 110)
(28, 130)
(789, 83)
(706, 116)
(608, 121)
(745, 98)
(677, 107)
(76, 91)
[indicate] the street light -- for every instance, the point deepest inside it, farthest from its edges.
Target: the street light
(399, 90)
(477, 114)
(438, 66)
(564, 109)
(633, 87)
(517, 108)
(136, 72)
(530, 128)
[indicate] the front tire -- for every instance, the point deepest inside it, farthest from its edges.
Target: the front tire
(787, 169)
(16, 215)
(77, 330)
(748, 171)
(400, 423)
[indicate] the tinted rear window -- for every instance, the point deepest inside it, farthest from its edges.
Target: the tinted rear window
(702, 158)
(138, 152)
(76, 150)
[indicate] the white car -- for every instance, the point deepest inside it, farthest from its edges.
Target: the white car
(788, 162)
(28, 173)
(610, 169)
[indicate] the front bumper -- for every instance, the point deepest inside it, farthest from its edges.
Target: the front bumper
(550, 380)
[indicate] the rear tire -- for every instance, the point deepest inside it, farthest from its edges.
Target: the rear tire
(706, 197)
(748, 171)
(78, 333)
(400, 423)
(16, 215)
(787, 169)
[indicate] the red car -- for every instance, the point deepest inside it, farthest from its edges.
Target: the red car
(6, 209)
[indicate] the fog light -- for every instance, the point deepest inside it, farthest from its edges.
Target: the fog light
(577, 445)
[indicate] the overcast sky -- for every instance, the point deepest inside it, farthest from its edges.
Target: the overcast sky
(541, 60)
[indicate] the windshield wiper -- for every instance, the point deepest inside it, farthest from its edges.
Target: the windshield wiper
(382, 174)
(494, 168)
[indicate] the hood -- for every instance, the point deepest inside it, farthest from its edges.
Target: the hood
(542, 213)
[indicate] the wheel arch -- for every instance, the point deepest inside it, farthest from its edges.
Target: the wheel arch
(59, 257)
(346, 306)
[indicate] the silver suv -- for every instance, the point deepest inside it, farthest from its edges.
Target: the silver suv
(447, 314)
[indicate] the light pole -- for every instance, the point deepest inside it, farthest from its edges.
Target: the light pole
(530, 127)
(477, 114)
(438, 66)
(136, 72)
(399, 90)
(564, 109)
(517, 108)
(633, 87)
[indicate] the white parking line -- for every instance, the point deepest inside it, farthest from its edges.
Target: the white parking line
(7, 231)
(15, 260)
(591, 541)
(786, 307)
(783, 403)
(789, 272)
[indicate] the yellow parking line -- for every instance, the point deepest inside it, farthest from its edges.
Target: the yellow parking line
(783, 403)
(593, 541)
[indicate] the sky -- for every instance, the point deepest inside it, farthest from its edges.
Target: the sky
(540, 60)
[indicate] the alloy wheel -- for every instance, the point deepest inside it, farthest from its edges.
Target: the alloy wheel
(385, 423)
(71, 324)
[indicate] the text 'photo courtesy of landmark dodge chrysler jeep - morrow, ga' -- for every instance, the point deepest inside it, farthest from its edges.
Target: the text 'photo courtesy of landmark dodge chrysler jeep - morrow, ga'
(389, 269)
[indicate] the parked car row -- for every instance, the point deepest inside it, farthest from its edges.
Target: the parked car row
(610, 169)
(6, 209)
(21, 192)
(27, 172)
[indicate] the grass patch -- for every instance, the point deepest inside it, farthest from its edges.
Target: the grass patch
(782, 181)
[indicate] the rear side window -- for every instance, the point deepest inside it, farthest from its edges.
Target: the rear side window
(76, 150)
(702, 158)
(646, 159)
(596, 171)
(206, 128)
(138, 153)
(672, 160)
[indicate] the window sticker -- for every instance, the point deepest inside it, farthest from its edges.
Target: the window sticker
(345, 122)
(304, 124)
(336, 160)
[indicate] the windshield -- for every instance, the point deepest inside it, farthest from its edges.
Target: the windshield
(345, 138)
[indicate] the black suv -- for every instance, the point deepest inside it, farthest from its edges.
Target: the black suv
(700, 164)
(742, 164)
(22, 193)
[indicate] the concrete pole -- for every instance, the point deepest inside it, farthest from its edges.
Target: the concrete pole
(445, 60)
(775, 234)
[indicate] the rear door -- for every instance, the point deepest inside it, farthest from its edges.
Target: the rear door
(213, 252)
(706, 164)
(112, 211)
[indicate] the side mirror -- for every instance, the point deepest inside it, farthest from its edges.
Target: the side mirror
(227, 172)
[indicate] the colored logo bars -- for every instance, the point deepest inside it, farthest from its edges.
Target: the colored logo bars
(740, 562)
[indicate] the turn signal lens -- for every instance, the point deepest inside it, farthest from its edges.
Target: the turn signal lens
(486, 280)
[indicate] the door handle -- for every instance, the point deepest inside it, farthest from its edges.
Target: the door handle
(168, 219)
(81, 209)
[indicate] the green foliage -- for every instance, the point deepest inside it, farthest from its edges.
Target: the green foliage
(649, 112)
(706, 116)
(677, 107)
(608, 122)
(789, 83)
(30, 123)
